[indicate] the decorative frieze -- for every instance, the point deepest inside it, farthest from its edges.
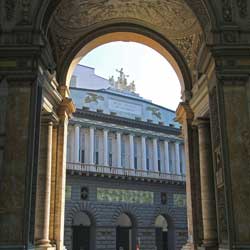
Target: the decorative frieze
(122, 195)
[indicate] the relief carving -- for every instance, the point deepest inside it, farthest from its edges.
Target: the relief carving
(173, 18)
(79, 14)
(227, 10)
(10, 8)
(242, 6)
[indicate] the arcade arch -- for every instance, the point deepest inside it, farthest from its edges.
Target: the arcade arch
(37, 40)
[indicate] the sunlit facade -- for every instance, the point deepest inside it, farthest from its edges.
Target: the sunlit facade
(125, 168)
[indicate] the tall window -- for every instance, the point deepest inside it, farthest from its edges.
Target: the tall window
(96, 149)
(123, 152)
(135, 153)
(147, 155)
(82, 145)
(159, 155)
(110, 150)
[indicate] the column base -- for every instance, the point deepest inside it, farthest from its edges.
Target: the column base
(189, 246)
(43, 245)
(209, 246)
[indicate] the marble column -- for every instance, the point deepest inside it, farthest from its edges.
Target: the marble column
(166, 156)
(44, 182)
(131, 152)
(177, 158)
(207, 185)
(91, 145)
(77, 143)
(155, 155)
(143, 153)
(118, 145)
(105, 147)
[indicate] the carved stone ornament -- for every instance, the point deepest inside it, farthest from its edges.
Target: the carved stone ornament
(172, 18)
(242, 6)
(227, 10)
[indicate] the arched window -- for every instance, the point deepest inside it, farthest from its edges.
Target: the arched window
(161, 233)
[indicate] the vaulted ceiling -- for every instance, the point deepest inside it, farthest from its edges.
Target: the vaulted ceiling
(173, 19)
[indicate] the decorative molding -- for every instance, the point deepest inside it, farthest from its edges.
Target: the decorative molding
(227, 11)
(243, 8)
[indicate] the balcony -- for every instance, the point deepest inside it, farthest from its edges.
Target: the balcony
(92, 169)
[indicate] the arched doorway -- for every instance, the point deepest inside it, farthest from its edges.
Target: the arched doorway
(161, 233)
(82, 232)
(125, 233)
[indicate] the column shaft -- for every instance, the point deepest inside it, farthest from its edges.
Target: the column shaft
(43, 198)
(118, 141)
(91, 145)
(105, 147)
(155, 155)
(77, 143)
(143, 153)
(131, 152)
(207, 186)
(166, 156)
(177, 158)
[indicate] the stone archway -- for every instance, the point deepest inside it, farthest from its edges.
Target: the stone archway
(33, 49)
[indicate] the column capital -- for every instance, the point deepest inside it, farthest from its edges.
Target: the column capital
(201, 121)
(67, 107)
(51, 117)
(184, 112)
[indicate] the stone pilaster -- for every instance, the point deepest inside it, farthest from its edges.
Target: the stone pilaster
(185, 117)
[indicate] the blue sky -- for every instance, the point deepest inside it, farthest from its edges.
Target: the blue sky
(154, 77)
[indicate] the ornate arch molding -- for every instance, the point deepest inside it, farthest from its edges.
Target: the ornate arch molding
(179, 60)
(86, 207)
(131, 211)
(169, 214)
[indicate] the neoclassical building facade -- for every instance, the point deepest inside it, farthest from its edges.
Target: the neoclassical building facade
(125, 160)
(207, 43)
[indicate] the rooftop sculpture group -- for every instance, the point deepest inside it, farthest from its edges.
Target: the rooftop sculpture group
(121, 83)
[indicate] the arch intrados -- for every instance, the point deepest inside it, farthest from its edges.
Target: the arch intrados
(129, 37)
(124, 220)
(125, 37)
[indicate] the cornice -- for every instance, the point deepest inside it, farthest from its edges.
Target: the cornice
(126, 122)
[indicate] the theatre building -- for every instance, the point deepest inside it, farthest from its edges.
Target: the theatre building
(125, 185)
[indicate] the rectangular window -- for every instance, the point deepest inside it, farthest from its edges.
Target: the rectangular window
(82, 145)
(110, 150)
(96, 155)
(135, 154)
(147, 155)
(159, 165)
(83, 156)
(159, 156)
(135, 162)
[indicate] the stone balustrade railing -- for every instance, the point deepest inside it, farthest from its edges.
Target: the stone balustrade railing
(93, 168)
